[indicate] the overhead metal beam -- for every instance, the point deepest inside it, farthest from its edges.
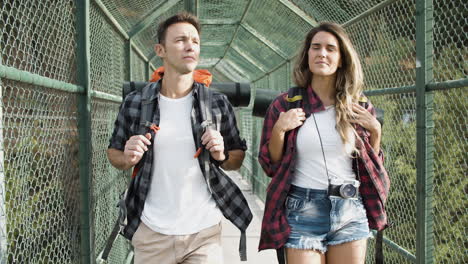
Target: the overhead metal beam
(277, 67)
(221, 73)
(152, 56)
(246, 10)
(111, 18)
(221, 21)
(226, 74)
(265, 41)
(138, 51)
(369, 12)
(209, 64)
(213, 44)
(149, 19)
(299, 12)
(248, 58)
(229, 64)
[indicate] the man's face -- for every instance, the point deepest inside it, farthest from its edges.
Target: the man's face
(181, 48)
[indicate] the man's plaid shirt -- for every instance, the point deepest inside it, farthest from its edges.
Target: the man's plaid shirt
(232, 203)
(368, 166)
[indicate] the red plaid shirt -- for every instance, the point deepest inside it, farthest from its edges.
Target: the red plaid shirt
(368, 166)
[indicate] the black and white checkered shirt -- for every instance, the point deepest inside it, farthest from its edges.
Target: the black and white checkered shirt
(226, 194)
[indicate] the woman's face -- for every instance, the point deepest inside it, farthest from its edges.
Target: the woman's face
(324, 54)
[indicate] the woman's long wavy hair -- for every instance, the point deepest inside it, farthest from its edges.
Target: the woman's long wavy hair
(349, 77)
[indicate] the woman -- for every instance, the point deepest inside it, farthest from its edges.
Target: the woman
(321, 146)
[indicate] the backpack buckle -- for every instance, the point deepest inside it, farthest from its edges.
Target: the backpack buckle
(206, 123)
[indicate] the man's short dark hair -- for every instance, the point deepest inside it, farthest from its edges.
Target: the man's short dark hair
(183, 17)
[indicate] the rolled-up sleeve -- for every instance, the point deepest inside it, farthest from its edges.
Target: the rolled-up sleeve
(127, 119)
(264, 158)
(229, 129)
(375, 164)
(380, 155)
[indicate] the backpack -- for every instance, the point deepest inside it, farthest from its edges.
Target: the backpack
(146, 115)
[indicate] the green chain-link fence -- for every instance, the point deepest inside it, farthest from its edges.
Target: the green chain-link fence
(63, 64)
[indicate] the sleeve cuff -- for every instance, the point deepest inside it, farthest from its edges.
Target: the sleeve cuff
(219, 162)
(116, 145)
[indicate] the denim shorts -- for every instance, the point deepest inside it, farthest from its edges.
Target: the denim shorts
(318, 220)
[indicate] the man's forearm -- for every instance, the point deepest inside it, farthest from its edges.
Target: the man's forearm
(235, 160)
(117, 159)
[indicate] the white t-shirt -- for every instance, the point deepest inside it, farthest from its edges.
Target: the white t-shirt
(310, 167)
(178, 202)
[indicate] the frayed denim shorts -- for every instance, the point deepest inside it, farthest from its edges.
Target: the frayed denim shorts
(318, 220)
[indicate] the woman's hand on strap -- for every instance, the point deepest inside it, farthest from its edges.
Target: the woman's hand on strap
(286, 121)
(289, 120)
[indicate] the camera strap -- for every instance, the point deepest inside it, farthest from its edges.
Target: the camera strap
(323, 151)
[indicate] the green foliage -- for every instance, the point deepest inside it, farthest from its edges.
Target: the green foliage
(37, 200)
(450, 181)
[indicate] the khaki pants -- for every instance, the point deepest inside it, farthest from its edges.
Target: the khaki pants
(203, 247)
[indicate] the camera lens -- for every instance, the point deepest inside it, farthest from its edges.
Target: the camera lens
(348, 191)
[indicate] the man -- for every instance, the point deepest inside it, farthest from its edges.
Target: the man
(174, 205)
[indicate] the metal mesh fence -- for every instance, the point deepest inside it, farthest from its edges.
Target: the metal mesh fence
(450, 40)
(385, 40)
(138, 68)
(400, 160)
(109, 69)
(108, 183)
(338, 11)
(450, 178)
(146, 39)
(242, 41)
(130, 13)
(41, 181)
(107, 49)
(38, 37)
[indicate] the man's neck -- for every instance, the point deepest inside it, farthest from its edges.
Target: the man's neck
(176, 85)
(324, 87)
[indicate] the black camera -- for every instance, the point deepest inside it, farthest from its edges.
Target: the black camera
(345, 189)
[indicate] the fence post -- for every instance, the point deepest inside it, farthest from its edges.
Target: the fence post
(147, 71)
(191, 6)
(128, 60)
(84, 127)
(3, 234)
(424, 133)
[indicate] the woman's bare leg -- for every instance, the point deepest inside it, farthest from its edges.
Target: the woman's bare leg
(300, 256)
(353, 252)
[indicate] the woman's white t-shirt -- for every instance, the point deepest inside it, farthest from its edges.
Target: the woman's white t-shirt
(310, 169)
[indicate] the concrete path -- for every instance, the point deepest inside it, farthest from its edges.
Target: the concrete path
(231, 235)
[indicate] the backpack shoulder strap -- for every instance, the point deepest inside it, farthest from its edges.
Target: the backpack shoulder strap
(205, 97)
(147, 107)
(295, 97)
